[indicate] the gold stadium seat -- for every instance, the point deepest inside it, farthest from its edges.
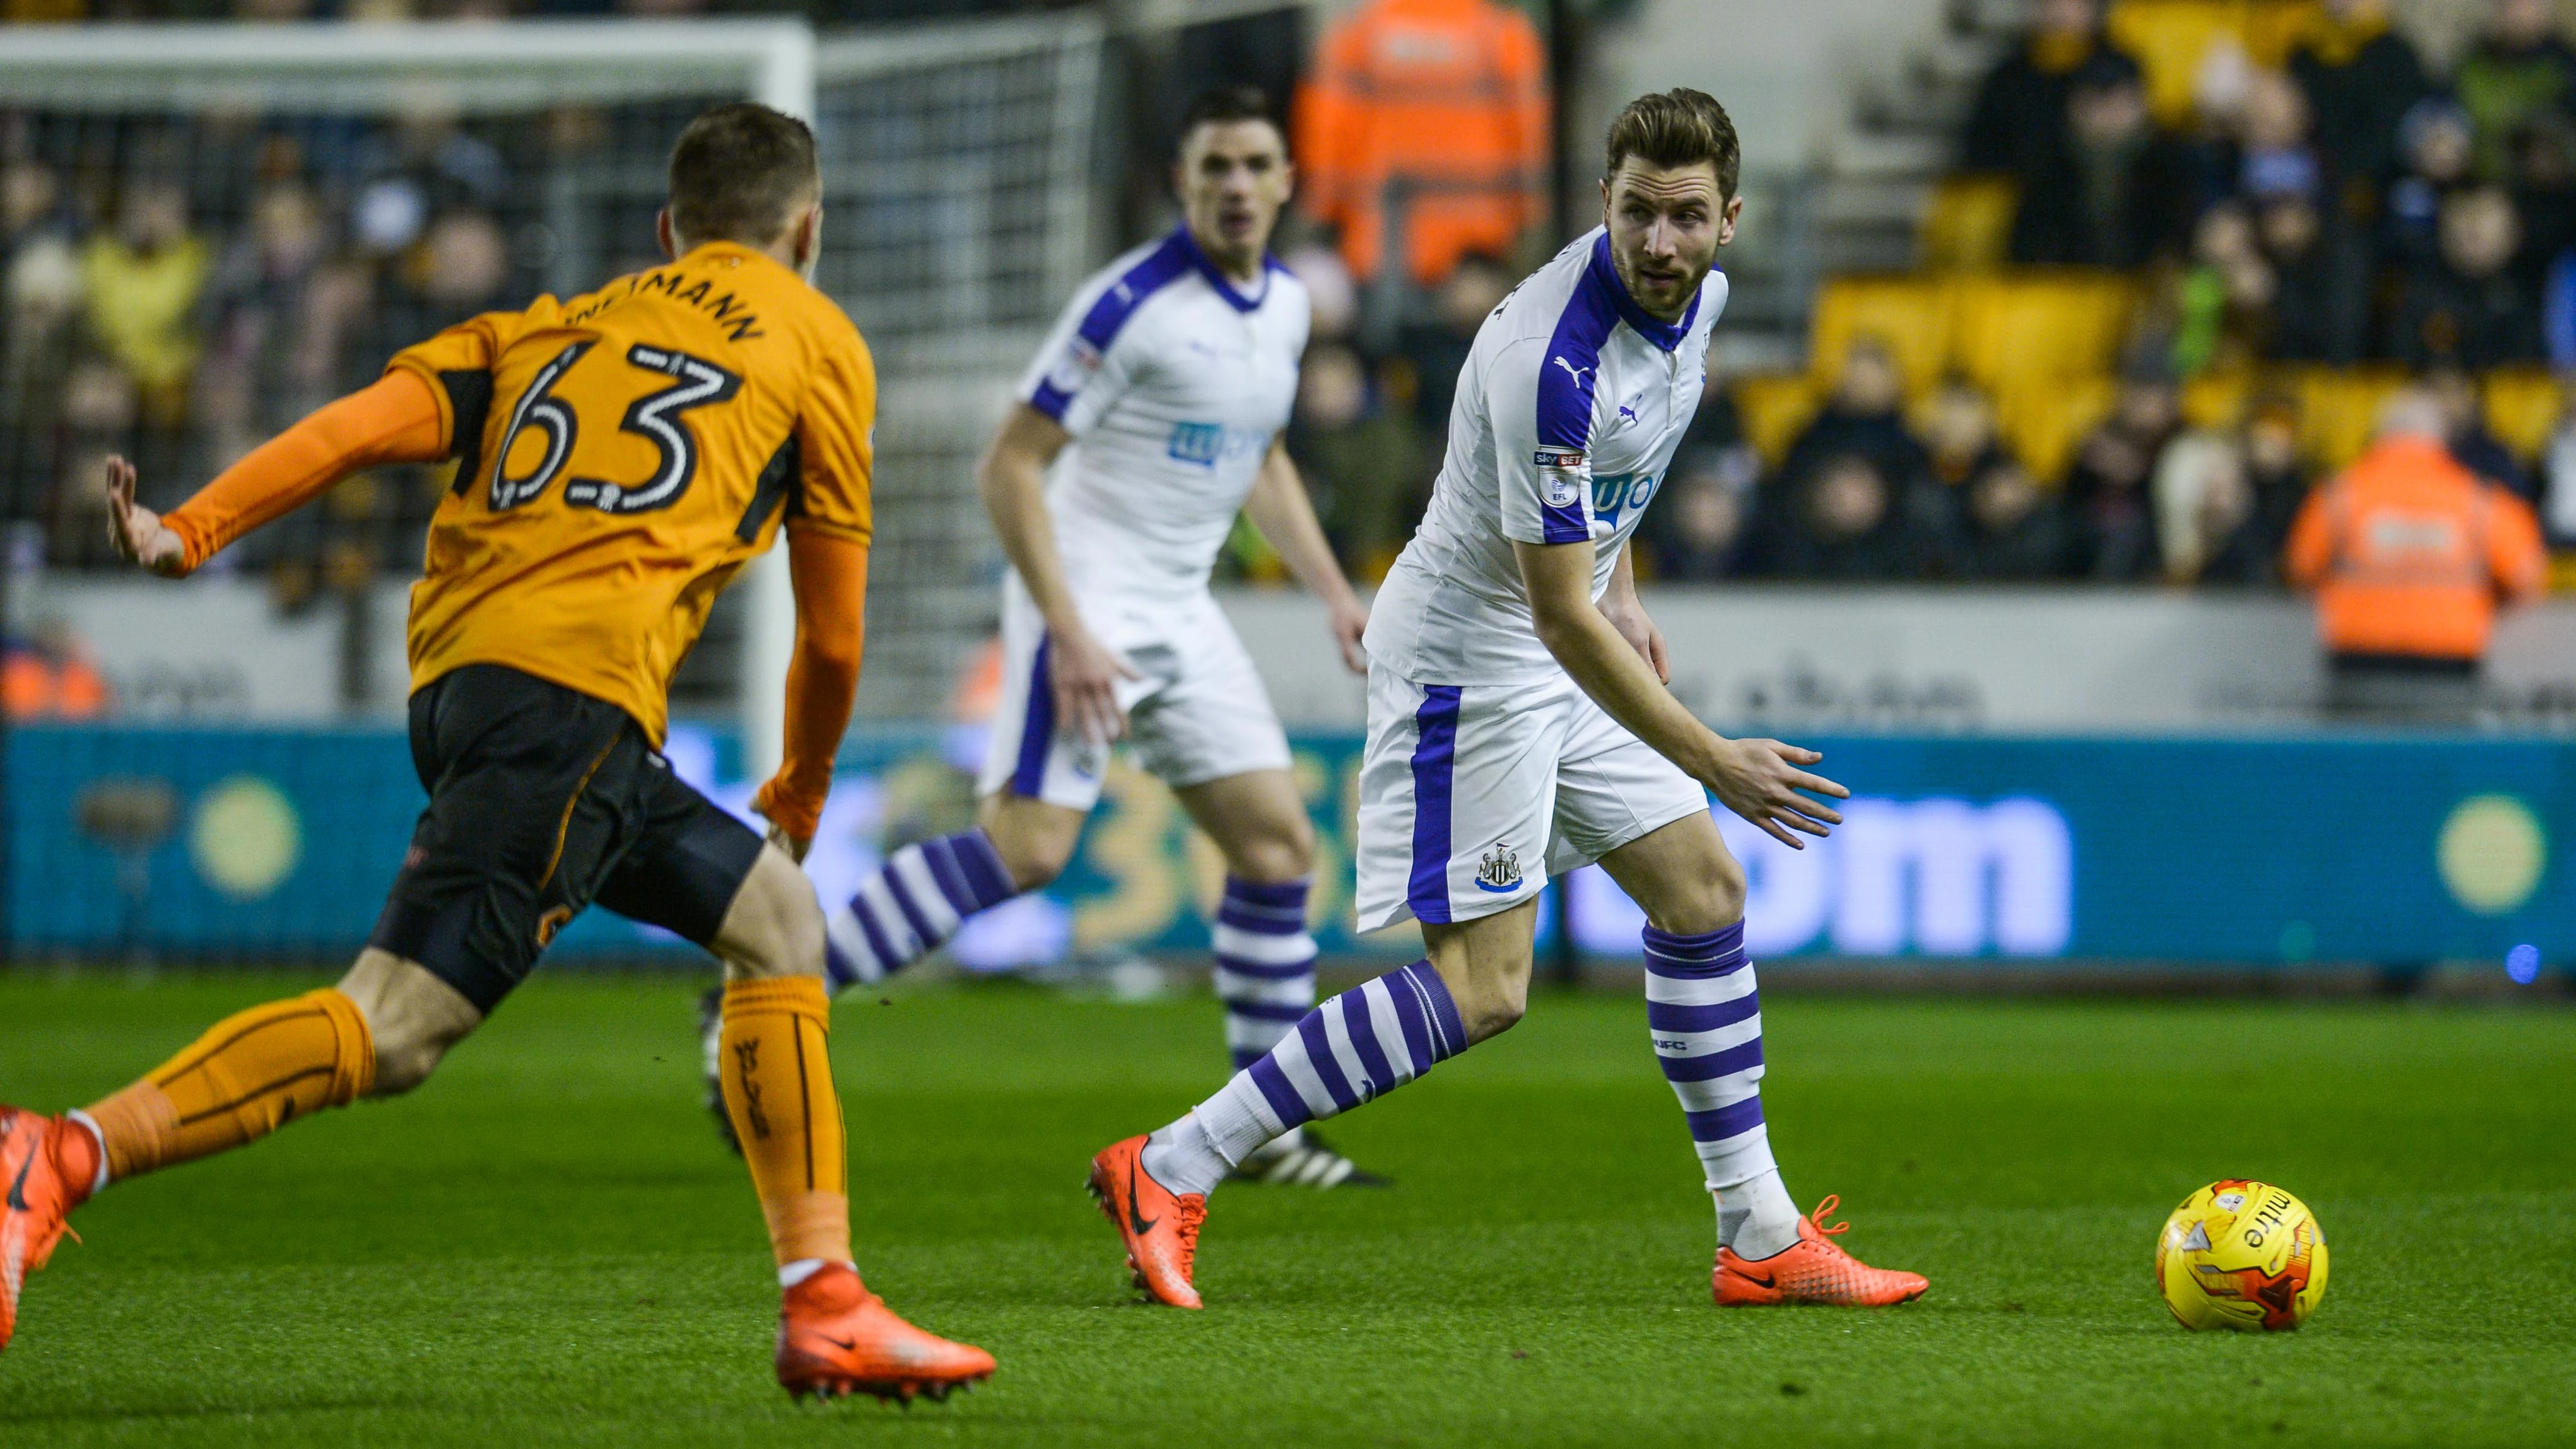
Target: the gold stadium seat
(2216, 399)
(2043, 419)
(2172, 39)
(1967, 225)
(2022, 328)
(1774, 406)
(2273, 27)
(1911, 314)
(2522, 407)
(2339, 408)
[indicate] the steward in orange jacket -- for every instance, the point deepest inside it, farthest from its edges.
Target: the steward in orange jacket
(2409, 554)
(1448, 98)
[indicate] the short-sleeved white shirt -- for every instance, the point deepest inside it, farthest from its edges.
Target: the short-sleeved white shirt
(1173, 384)
(1569, 410)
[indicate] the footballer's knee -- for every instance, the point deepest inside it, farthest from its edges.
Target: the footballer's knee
(1486, 966)
(1034, 839)
(1710, 899)
(774, 926)
(1284, 853)
(412, 1018)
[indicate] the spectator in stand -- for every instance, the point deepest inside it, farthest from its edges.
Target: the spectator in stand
(1845, 520)
(1854, 499)
(2320, 308)
(280, 312)
(2273, 467)
(2465, 433)
(2276, 152)
(2519, 73)
(1359, 458)
(2019, 124)
(2221, 302)
(1863, 417)
(2466, 307)
(2409, 554)
(1701, 529)
(1441, 102)
(2437, 147)
(1959, 435)
(142, 281)
(1437, 348)
(2359, 75)
(2118, 191)
(2108, 489)
(2207, 528)
(2544, 192)
(2013, 530)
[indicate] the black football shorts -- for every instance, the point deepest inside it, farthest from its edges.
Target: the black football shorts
(543, 800)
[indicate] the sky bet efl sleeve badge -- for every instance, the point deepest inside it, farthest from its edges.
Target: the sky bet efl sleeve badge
(1075, 367)
(1562, 472)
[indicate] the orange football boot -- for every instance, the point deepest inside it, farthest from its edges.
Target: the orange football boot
(33, 1205)
(835, 1338)
(1161, 1229)
(1814, 1269)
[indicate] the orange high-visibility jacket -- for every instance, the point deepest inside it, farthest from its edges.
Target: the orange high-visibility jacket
(1446, 97)
(2409, 552)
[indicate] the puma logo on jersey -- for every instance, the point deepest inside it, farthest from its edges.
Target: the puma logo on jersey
(1571, 370)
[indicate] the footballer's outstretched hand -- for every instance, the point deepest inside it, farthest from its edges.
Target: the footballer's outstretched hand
(1084, 674)
(1761, 781)
(136, 532)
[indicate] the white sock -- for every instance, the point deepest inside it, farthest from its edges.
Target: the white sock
(791, 1274)
(1185, 1159)
(1756, 1217)
(83, 1118)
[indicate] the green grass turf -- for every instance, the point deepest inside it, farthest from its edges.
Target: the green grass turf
(547, 1246)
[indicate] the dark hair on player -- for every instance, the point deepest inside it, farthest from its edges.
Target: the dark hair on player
(1676, 128)
(740, 173)
(1224, 105)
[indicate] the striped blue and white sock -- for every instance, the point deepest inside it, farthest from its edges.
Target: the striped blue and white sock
(911, 907)
(1706, 1020)
(1360, 1045)
(1265, 964)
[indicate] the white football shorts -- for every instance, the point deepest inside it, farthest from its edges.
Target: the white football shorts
(1199, 712)
(1472, 796)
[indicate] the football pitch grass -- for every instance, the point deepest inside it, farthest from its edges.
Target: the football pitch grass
(546, 1244)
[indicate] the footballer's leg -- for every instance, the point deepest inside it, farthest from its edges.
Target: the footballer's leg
(1265, 959)
(1704, 1016)
(1457, 786)
(379, 1032)
(699, 872)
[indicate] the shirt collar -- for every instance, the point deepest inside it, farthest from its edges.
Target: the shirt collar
(1190, 247)
(1604, 274)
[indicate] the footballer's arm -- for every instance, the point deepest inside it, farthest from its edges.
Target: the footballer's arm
(1757, 779)
(1279, 507)
(1012, 479)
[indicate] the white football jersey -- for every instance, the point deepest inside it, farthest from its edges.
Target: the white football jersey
(1173, 384)
(1569, 409)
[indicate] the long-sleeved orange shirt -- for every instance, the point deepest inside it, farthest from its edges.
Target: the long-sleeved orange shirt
(2409, 552)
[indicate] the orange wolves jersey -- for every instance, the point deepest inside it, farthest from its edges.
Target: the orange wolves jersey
(620, 455)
